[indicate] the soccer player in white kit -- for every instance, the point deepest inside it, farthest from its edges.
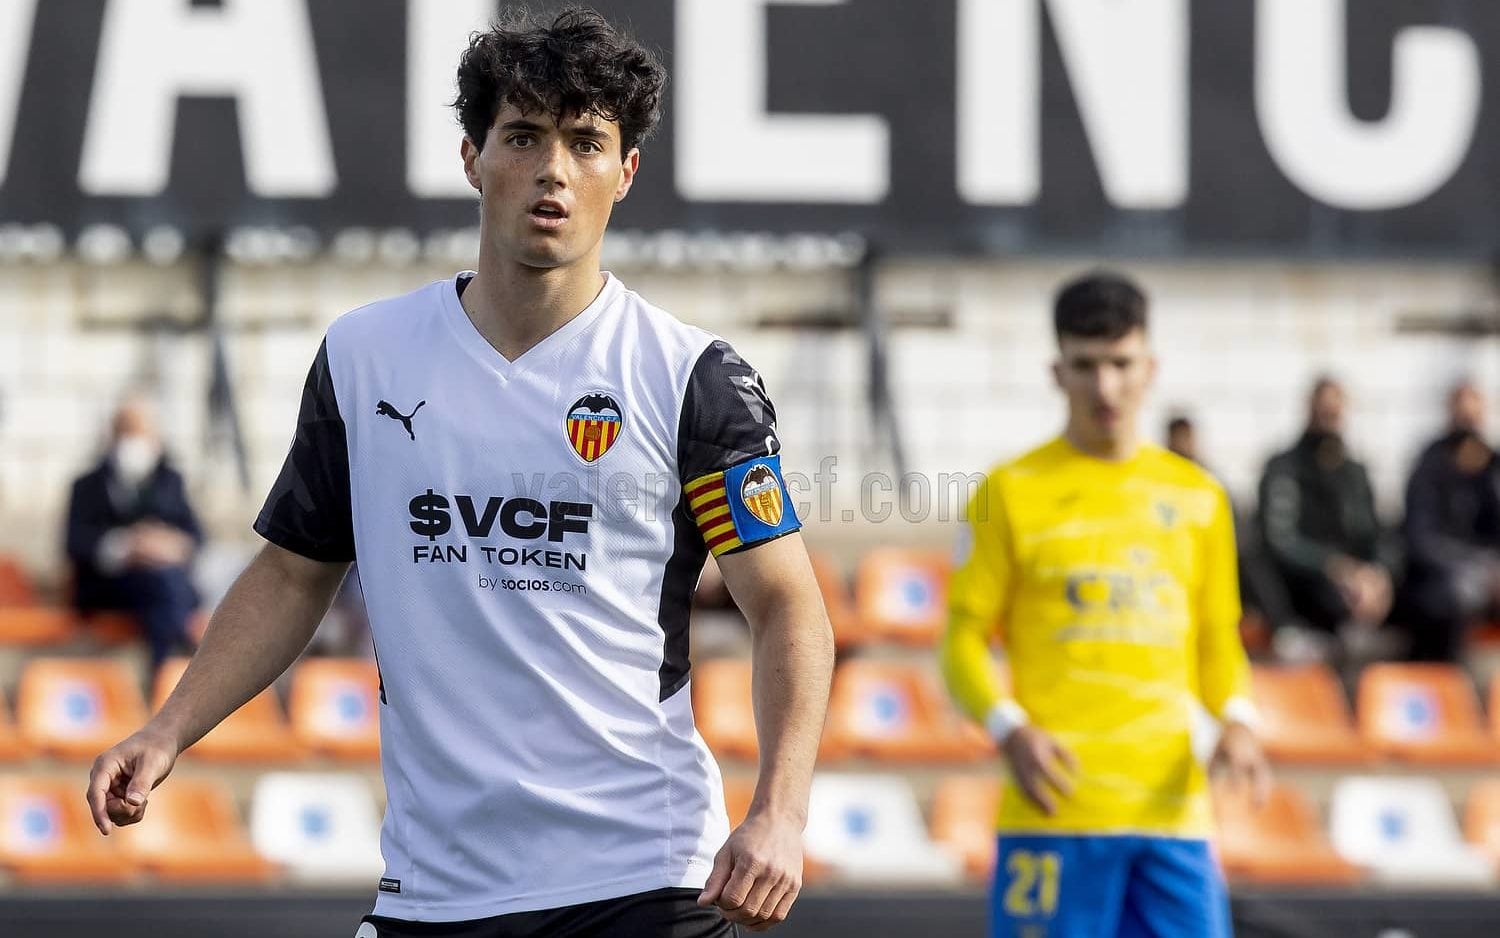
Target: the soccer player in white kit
(531, 463)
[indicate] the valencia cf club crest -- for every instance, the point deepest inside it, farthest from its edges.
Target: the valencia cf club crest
(594, 424)
(761, 493)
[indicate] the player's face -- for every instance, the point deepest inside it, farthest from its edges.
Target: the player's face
(1105, 381)
(547, 187)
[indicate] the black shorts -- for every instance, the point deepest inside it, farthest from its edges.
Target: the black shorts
(661, 913)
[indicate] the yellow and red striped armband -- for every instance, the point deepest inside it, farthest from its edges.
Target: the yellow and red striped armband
(742, 505)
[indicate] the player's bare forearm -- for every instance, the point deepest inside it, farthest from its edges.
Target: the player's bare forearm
(791, 668)
(262, 625)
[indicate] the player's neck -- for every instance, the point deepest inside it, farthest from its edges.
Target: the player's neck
(515, 307)
(1118, 448)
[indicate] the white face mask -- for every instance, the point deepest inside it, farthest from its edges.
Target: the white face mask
(135, 457)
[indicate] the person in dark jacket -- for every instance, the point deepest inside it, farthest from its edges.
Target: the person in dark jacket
(1319, 527)
(132, 535)
(1452, 533)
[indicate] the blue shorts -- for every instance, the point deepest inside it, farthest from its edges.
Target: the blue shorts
(1107, 887)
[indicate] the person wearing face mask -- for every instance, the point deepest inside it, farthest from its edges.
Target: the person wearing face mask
(1319, 527)
(132, 534)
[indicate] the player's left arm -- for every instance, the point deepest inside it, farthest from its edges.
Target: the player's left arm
(758, 874)
(1223, 669)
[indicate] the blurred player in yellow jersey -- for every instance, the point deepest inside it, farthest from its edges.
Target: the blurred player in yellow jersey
(1108, 565)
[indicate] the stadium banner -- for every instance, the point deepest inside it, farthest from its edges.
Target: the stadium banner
(1303, 128)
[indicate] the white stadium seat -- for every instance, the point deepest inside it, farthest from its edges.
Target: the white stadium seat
(868, 829)
(323, 826)
(1404, 831)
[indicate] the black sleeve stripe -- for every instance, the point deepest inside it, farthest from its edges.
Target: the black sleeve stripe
(309, 508)
(727, 417)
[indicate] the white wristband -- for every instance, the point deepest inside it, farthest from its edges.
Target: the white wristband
(1241, 710)
(1004, 718)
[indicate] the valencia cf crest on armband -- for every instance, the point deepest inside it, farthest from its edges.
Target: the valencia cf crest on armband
(761, 493)
(594, 424)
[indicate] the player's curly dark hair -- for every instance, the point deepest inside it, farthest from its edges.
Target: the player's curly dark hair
(577, 65)
(1099, 305)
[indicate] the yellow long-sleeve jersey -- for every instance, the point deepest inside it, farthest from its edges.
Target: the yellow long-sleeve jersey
(1114, 585)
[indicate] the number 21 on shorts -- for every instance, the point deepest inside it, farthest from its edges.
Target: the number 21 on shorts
(1034, 881)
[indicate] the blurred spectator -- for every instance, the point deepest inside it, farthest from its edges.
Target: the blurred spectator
(132, 534)
(1321, 533)
(1452, 532)
(1182, 437)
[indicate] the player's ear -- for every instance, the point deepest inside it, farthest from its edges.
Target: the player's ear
(470, 153)
(627, 173)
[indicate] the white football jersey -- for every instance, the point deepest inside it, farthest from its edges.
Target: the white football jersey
(529, 535)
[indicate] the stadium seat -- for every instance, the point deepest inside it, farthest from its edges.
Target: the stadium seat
(257, 732)
(322, 827)
(868, 829)
(1404, 831)
(35, 625)
(721, 707)
(841, 614)
(1482, 819)
(1282, 843)
(75, 708)
(335, 707)
(1423, 713)
(964, 809)
(1494, 705)
(1304, 716)
(15, 585)
(902, 595)
(895, 711)
(48, 837)
(12, 745)
(193, 834)
(112, 628)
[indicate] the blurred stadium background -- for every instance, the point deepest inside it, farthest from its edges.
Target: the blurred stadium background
(874, 200)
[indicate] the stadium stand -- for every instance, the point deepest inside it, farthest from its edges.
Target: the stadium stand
(1404, 832)
(195, 836)
(1305, 717)
(722, 708)
(334, 704)
(1482, 819)
(895, 711)
(47, 836)
(901, 595)
(258, 732)
(964, 808)
(75, 708)
(12, 746)
(868, 829)
(1425, 713)
(322, 827)
(15, 585)
(1282, 843)
(35, 625)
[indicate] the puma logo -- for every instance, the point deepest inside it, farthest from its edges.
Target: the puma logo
(384, 409)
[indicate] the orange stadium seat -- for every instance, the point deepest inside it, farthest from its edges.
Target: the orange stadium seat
(334, 705)
(12, 746)
(964, 809)
(722, 707)
(194, 834)
(1304, 716)
(895, 711)
(76, 708)
(1482, 818)
(841, 614)
(1494, 707)
(1282, 843)
(1423, 713)
(256, 732)
(902, 595)
(47, 835)
(35, 625)
(15, 585)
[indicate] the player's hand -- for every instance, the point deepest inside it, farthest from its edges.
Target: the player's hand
(757, 874)
(1239, 758)
(122, 778)
(1040, 765)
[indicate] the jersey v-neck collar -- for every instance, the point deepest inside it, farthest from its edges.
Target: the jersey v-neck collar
(479, 348)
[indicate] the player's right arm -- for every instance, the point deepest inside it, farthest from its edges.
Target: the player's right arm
(978, 599)
(268, 616)
(260, 628)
